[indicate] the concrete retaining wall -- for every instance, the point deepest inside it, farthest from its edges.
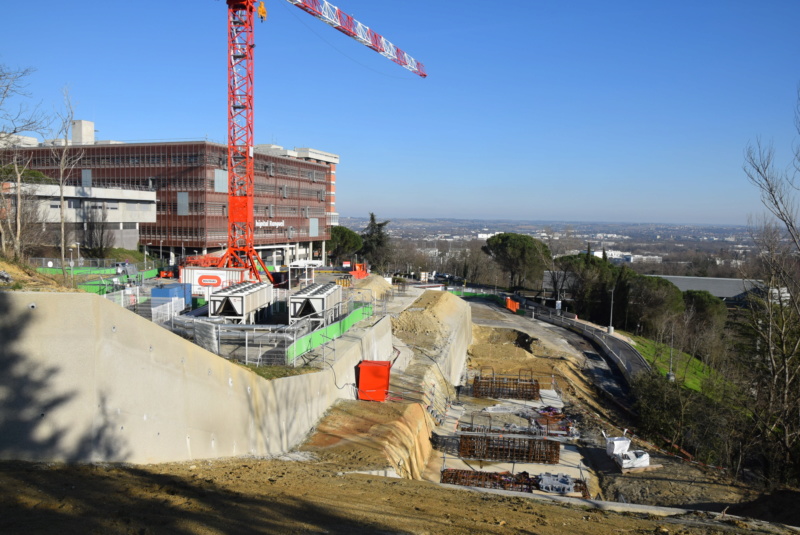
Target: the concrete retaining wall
(82, 379)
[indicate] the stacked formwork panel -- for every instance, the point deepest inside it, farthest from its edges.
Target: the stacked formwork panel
(509, 449)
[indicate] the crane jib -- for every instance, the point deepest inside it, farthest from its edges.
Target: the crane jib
(346, 24)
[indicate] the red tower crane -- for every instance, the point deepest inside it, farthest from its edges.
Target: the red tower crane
(241, 252)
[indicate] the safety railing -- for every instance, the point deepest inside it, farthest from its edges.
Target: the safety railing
(320, 337)
(629, 361)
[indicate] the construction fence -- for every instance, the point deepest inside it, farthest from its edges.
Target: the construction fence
(261, 344)
(272, 342)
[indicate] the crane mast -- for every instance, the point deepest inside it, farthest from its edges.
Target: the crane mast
(241, 252)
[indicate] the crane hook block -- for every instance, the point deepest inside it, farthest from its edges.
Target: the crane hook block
(262, 11)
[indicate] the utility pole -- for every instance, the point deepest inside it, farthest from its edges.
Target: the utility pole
(670, 375)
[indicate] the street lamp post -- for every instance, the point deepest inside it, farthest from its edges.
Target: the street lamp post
(611, 313)
(161, 251)
(72, 266)
(670, 375)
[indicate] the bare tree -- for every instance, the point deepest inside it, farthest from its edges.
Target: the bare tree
(20, 210)
(15, 118)
(97, 237)
(67, 158)
(775, 314)
(19, 118)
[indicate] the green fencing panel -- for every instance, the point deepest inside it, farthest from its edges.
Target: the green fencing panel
(496, 298)
(322, 336)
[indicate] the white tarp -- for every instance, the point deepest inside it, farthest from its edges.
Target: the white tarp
(633, 459)
(617, 445)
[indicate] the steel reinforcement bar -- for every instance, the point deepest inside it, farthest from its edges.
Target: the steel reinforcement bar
(520, 482)
(505, 387)
(509, 449)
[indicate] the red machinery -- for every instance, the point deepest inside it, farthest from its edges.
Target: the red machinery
(241, 252)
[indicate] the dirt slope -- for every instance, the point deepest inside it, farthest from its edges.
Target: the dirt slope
(273, 496)
(19, 278)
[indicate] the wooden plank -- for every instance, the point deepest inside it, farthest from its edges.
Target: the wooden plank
(642, 469)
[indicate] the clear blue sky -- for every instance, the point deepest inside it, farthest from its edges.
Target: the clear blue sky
(549, 110)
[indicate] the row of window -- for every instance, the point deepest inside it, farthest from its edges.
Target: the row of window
(190, 183)
(89, 161)
(89, 204)
(259, 210)
(190, 237)
(92, 161)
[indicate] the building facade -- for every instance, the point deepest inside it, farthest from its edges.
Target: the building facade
(294, 197)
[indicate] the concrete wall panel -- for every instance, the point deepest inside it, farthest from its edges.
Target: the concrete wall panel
(82, 379)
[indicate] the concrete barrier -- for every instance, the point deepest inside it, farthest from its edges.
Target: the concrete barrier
(82, 379)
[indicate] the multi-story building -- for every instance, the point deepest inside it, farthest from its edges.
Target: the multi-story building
(294, 198)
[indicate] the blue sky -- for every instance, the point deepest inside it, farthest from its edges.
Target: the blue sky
(545, 110)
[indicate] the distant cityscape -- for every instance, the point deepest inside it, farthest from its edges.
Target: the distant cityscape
(622, 242)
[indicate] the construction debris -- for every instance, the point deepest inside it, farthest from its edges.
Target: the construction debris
(521, 482)
(618, 449)
(546, 422)
(558, 483)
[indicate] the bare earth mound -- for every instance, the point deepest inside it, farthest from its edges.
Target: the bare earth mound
(374, 287)
(425, 322)
(364, 435)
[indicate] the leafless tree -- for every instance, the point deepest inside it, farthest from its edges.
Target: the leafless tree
(15, 118)
(97, 237)
(775, 314)
(67, 158)
(21, 226)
